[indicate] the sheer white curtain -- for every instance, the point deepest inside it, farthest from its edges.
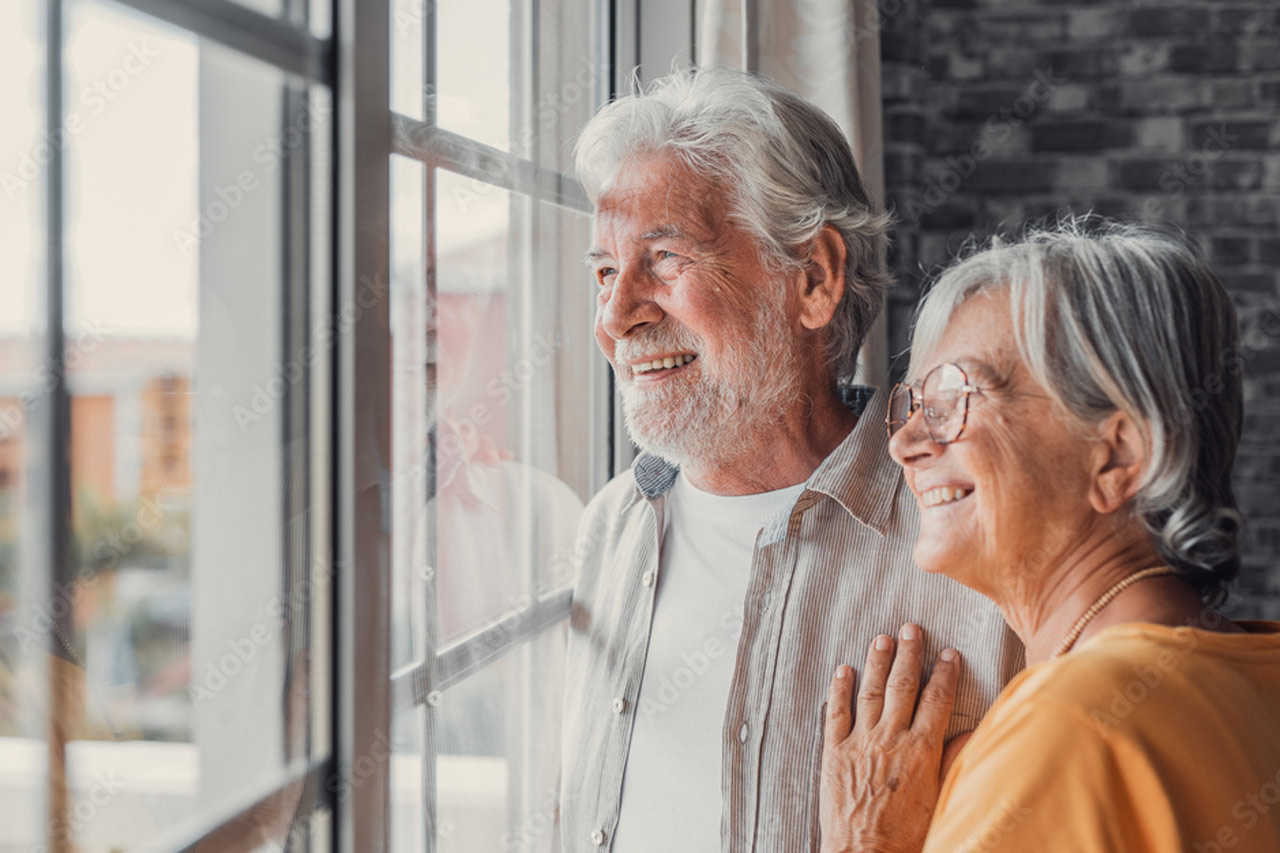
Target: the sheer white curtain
(827, 51)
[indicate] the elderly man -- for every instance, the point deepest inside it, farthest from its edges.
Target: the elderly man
(763, 536)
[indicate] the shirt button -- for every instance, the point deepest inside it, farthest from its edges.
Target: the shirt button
(647, 579)
(619, 705)
(742, 733)
(597, 837)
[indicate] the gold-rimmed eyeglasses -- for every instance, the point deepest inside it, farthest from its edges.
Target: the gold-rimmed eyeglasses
(942, 397)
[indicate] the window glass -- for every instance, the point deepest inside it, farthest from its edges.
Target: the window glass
(408, 76)
(188, 651)
(474, 52)
(25, 152)
(498, 405)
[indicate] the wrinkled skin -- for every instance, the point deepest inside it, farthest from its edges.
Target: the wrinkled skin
(882, 761)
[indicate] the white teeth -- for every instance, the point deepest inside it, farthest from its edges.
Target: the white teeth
(661, 363)
(943, 495)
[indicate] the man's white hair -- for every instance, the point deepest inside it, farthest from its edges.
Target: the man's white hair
(1112, 317)
(785, 165)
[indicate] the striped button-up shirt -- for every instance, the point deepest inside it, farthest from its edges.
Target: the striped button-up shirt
(827, 576)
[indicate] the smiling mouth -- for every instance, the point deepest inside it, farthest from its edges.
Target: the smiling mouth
(943, 495)
(660, 366)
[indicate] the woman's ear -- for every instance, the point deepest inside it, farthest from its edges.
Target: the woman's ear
(1119, 463)
(824, 278)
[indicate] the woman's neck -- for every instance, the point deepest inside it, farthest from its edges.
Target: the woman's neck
(1043, 614)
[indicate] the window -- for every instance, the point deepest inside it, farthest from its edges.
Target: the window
(299, 405)
(164, 581)
(501, 408)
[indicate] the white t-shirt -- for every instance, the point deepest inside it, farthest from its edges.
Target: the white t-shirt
(671, 789)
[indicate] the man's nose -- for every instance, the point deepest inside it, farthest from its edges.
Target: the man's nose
(630, 306)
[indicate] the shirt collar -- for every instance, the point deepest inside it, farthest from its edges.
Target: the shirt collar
(858, 474)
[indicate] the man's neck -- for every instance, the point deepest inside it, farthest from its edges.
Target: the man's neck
(780, 454)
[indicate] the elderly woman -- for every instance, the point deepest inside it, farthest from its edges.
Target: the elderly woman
(1069, 436)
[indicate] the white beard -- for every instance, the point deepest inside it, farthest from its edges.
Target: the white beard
(705, 417)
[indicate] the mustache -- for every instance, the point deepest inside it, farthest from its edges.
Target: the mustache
(656, 340)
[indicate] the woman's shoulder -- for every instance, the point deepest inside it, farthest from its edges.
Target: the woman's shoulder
(1130, 676)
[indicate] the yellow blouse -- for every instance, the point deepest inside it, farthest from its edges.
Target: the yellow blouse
(1145, 738)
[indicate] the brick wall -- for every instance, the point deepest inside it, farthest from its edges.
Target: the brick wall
(1000, 111)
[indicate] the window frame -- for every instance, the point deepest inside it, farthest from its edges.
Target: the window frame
(441, 666)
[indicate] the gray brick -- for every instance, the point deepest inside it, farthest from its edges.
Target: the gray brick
(1232, 251)
(1021, 177)
(1236, 173)
(1200, 58)
(1085, 63)
(1140, 59)
(1165, 20)
(1146, 173)
(1082, 135)
(1269, 250)
(1248, 135)
(1242, 20)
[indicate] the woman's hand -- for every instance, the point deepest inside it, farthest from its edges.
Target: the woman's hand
(881, 765)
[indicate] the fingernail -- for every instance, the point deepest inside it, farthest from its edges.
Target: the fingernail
(883, 642)
(842, 671)
(910, 632)
(948, 655)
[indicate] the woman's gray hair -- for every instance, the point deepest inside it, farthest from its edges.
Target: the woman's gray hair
(786, 166)
(1112, 317)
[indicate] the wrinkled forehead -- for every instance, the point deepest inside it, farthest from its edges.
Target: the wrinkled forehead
(978, 335)
(655, 189)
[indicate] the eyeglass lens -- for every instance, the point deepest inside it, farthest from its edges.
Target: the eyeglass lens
(943, 400)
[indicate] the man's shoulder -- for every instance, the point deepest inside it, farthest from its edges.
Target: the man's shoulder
(612, 500)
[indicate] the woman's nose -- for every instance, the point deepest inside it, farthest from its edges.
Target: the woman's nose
(912, 444)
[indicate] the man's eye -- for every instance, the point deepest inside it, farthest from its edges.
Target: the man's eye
(664, 255)
(603, 274)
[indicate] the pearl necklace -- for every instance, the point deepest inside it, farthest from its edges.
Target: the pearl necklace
(1105, 599)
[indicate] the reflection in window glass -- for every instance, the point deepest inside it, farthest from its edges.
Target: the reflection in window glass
(477, 501)
(500, 400)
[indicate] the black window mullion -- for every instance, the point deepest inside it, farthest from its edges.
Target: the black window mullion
(290, 48)
(52, 420)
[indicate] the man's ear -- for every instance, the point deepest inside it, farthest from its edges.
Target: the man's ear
(1119, 463)
(823, 278)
